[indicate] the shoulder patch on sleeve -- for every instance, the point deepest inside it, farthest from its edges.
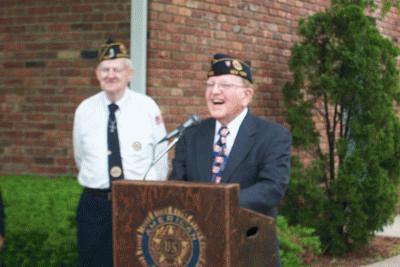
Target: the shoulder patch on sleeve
(159, 119)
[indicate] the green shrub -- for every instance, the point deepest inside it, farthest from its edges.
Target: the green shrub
(341, 110)
(40, 221)
(298, 245)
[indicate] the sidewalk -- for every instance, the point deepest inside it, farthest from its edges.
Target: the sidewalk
(392, 231)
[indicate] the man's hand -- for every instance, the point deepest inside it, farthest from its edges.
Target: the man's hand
(1, 242)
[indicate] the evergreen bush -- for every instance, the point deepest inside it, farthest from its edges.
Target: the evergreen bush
(299, 246)
(344, 77)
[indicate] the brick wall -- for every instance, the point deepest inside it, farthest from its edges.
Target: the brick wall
(44, 77)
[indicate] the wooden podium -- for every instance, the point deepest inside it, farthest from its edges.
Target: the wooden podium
(188, 224)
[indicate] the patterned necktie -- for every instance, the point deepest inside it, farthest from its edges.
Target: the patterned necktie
(115, 170)
(220, 155)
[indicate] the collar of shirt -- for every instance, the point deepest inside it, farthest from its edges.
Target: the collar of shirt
(233, 128)
(120, 102)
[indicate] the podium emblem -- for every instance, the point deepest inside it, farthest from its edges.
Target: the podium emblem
(169, 237)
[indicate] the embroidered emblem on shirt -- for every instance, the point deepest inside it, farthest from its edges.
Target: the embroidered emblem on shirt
(137, 146)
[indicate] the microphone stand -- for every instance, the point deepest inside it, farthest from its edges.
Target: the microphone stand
(159, 156)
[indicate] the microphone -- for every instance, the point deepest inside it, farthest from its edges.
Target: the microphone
(193, 120)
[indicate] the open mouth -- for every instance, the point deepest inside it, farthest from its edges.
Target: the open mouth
(218, 101)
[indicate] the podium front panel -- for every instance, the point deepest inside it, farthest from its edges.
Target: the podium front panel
(160, 222)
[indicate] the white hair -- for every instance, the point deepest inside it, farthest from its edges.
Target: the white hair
(128, 63)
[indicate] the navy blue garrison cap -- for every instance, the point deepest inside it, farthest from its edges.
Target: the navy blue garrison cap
(223, 64)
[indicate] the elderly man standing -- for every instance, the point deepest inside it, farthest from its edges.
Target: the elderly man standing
(234, 146)
(114, 136)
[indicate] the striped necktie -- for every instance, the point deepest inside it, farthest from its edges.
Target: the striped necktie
(220, 155)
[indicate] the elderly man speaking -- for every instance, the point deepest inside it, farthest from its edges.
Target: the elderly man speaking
(235, 146)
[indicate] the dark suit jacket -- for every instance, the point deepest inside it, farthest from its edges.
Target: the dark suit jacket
(259, 161)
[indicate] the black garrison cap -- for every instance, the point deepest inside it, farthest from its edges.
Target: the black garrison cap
(223, 64)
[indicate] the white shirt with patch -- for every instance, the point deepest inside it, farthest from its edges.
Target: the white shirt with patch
(140, 127)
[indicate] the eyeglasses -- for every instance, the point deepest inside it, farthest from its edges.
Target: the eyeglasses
(105, 70)
(224, 86)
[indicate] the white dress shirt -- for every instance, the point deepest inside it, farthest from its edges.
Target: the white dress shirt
(233, 128)
(140, 127)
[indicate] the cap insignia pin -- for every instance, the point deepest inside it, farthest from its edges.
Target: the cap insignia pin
(236, 64)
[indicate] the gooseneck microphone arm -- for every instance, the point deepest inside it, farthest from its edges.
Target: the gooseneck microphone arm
(162, 154)
(193, 120)
(177, 133)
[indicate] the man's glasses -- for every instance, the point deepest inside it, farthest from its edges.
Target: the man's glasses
(104, 70)
(224, 86)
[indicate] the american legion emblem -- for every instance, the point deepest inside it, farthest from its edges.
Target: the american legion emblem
(168, 237)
